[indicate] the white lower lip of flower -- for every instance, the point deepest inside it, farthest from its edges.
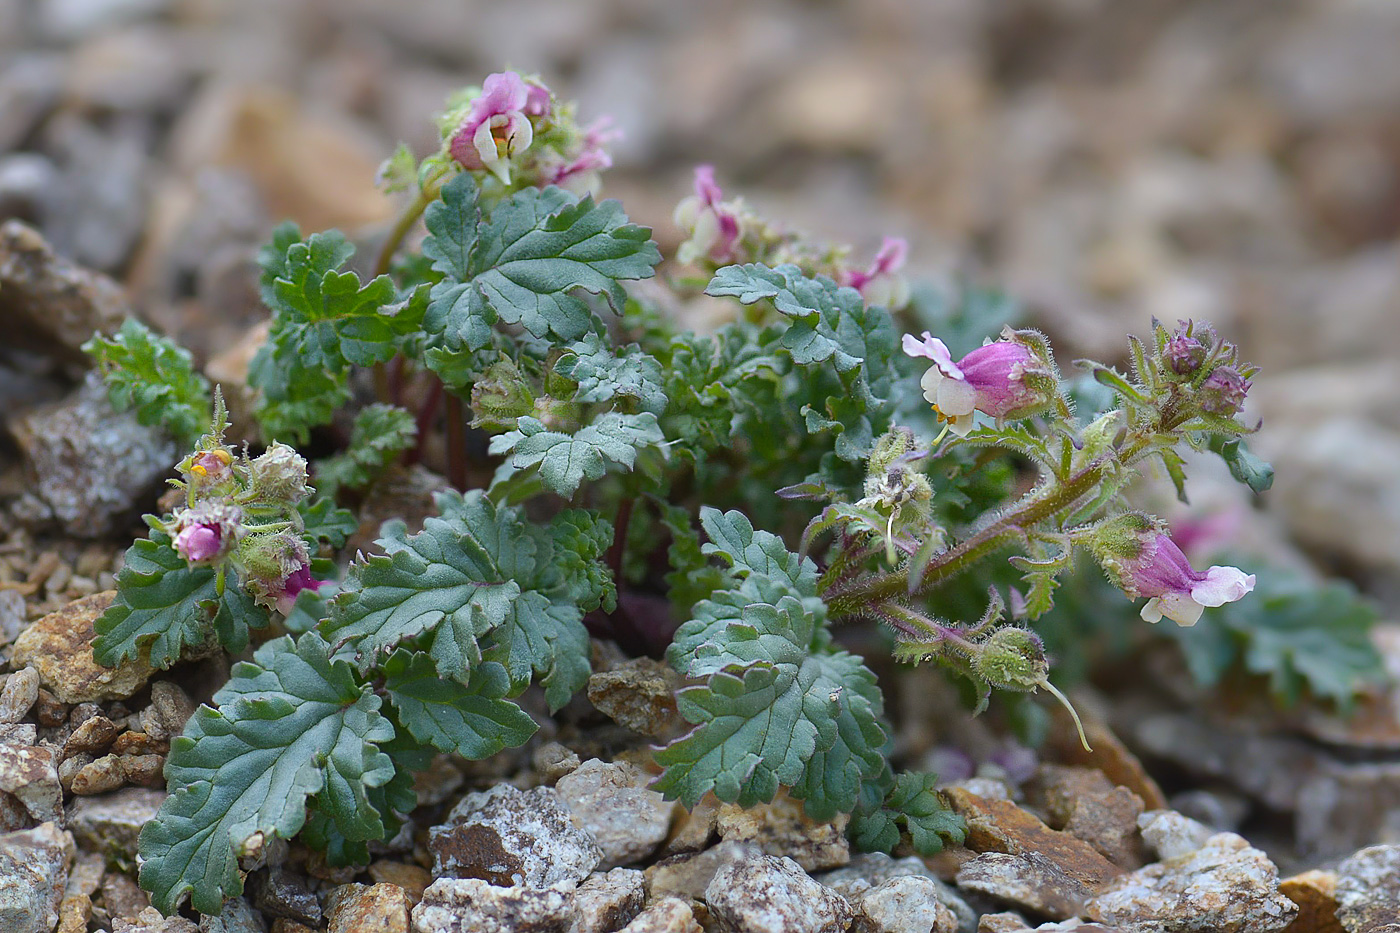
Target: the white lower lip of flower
(1179, 607)
(1222, 585)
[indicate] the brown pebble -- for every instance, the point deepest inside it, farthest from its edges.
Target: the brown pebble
(82, 712)
(94, 735)
(170, 708)
(68, 768)
(414, 879)
(1315, 893)
(123, 897)
(284, 925)
(74, 913)
(143, 770)
(139, 743)
(49, 710)
(104, 774)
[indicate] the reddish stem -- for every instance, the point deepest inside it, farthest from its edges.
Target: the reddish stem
(456, 443)
(427, 414)
(619, 541)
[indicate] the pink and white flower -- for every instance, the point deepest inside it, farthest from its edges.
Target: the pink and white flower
(580, 174)
(205, 533)
(1174, 589)
(991, 379)
(714, 226)
(497, 125)
(882, 284)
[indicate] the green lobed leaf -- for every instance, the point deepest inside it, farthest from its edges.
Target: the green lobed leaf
(324, 524)
(627, 377)
(524, 262)
(732, 537)
(291, 724)
(485, 586)
(155, 376)
(473, 720)
(912, 802)
(380, 434)
(611, 441)
(164, 606)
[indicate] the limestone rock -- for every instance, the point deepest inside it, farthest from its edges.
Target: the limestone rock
(512, 837)
(34, 867)
(1226, 886)
(1315, 893)
(150, 920)
(607, 901)
(1172, 835)
(1028, 880)
(640, 694)
(111, 823)
(872, 869)
(28, 774)
(665, 915)
(906, 903)
(359, 908)
(18, 695)
(1085, 804)
(1368, 890)
(612, 803)
(59, 647)
(755, 893)
(783, 829)
(470, 905)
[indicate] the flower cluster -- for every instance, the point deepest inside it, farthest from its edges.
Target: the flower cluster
(513, 132)
(241, 514)
(721, 232)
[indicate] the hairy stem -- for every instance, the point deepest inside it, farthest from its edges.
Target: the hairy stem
(850, 598)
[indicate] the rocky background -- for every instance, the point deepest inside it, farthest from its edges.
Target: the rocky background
(1104, 162)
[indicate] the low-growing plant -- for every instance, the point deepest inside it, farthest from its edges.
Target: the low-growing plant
(586, 431)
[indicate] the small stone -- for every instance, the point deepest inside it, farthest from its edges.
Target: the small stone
(1004, 922)
(1029, 880)
(1172, 835)
(34, 867)
(18, 696)
(28, 772)
(612, 803)
(608, 900)
(375, 908)
(131, 744)
(414, 879)
(1088, 806)
(512, 837)
(150, 920)
(282, 894)
(1226, 886)
(123, 897)
(552, 761)
(237, 916)
(68, 768)
(94, 735)
(665, 915)
(51, 302)
(88, 464)
(102, 775)
(1109, 755)
(287, 925)
(1315, 893)
(74, 912)
(471, 905)
(756, 892)
(86, 875)
(872, 869)
(907, 903)
(782, 828)
(111, 824)
(142, 770)
(694, 830)
(1001, 826)
(1368, 890)
(640, 694)
(688, 876)
(170, 709)
(49, 709)
(59, 647)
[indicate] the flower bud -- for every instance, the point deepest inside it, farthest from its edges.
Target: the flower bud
(1223, 392)
(1013, 377)
(279, 475)
(1012, 659)
(277, 567)
(1186, 350)
(501, 395)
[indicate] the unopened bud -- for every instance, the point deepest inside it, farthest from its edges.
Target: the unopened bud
(279, 475)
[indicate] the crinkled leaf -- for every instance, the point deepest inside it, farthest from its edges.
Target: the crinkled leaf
(163, 606)
(628, 377)
(564, 461)
(292, 724)
(524, 263)
(325, 524)
(155, 376)
(543, 637)
(912, 802)
(380, 433)
(473, 720)
(732, 537)
(581, 538)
